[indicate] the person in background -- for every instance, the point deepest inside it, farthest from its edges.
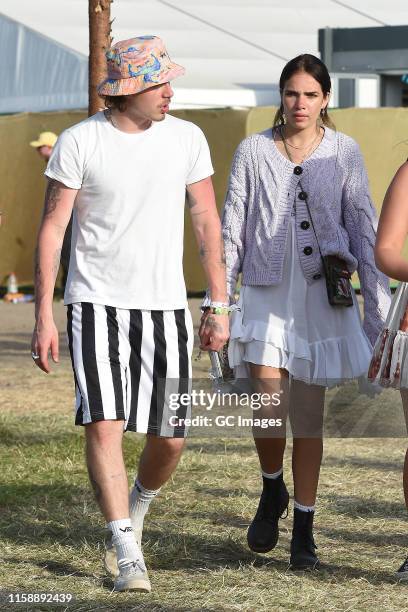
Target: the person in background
(298, 192)
(44, 146)
(389, 365)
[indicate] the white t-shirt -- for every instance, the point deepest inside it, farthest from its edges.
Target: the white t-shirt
(128, 219)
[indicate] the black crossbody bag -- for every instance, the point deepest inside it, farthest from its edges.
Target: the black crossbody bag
(338, 285)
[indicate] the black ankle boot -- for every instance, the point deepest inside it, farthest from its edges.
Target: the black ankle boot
(263, 532)
(302, 546)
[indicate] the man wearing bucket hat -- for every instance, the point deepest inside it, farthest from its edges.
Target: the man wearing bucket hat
(125, 172)
(44, 145)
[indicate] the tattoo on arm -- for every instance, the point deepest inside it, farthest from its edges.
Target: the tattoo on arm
(37, 269)
(56, 262)
(192, 203)
(52, 197)
(223, 257)
(191, 200)
(203, 251)
(38, 276)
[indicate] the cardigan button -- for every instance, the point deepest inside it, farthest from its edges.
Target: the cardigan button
(308, 250)
(297, 170)
(305, 225)
(317, 276)
(302, 195)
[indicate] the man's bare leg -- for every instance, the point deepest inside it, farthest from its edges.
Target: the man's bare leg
(158, 461)
(108, 477)
(106, 468)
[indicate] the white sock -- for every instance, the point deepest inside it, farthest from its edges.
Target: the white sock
(273, 476)
(303, 508)
(123, 538)
(140, 499)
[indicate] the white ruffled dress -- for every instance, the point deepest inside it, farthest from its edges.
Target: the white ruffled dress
(292, 326)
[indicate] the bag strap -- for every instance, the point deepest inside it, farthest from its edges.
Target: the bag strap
(311, 218)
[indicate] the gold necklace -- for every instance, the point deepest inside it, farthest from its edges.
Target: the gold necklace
(307, 152)
(296, 147)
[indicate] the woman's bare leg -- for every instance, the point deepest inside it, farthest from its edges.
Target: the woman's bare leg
(272, 383)
(270, 447)
(306, 415)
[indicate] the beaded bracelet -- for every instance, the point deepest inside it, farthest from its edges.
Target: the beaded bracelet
(220, 310)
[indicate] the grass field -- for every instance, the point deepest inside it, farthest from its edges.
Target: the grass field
(195, 534)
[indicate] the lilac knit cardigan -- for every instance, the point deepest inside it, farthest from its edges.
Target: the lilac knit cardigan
(263, 187)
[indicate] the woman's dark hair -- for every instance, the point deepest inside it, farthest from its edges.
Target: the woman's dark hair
(317, 69)
(118, 102)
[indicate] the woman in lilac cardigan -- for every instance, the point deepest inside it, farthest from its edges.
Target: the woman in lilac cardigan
(286, 337)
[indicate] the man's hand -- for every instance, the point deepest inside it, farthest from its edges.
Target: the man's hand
(214, 331)
(45, 338)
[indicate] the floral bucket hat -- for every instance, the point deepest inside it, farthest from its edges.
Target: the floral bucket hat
(137, 64)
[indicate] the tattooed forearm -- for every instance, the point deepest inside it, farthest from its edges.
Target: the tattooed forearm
(37, 271)
(52, 197)
(38, 274)
(56, 262)
(191, 201)
(203, 251)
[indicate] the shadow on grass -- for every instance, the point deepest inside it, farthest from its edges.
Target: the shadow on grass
(365, 463)
(173, 551)
(12, 436)
(228, 519)
(53, 567)
(356, 507)
(212, 446)
(225, 493)
(345, 573)
(48, 497)
(363, 537)
(20, 344)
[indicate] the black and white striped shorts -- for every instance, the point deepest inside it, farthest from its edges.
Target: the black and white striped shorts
(127, 362)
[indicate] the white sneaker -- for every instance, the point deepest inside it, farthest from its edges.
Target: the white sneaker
(110, 559)
(133, 577)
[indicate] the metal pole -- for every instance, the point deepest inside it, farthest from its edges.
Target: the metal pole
(328, 48)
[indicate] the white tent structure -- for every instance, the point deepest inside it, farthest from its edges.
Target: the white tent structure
(233, 50)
